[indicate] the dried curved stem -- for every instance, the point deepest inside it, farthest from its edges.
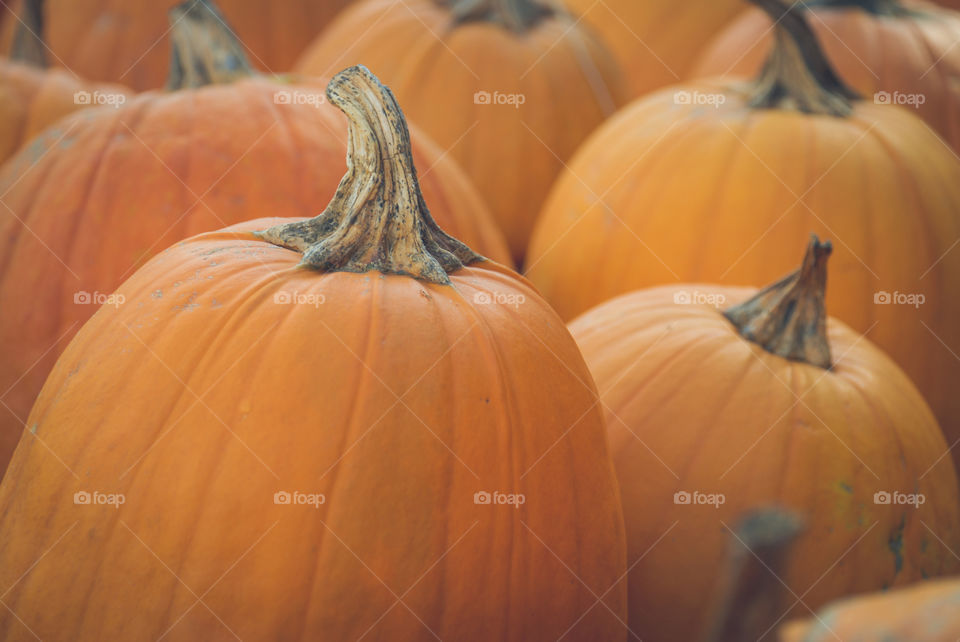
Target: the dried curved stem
(797, 74)
(205, 51)
(874, 7)
(517, 15)
(789, 318)
(28, 44)
(377, 220)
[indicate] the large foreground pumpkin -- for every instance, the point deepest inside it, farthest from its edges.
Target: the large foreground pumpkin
(125, 41)
(713, 414)
(916, 64)
(656, 42)
(109, 188)
(32, 98)
(347, 427)
(509, 87)
(707, 182)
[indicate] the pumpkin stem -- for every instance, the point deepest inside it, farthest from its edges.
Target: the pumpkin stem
(377, 219)
(28, 44)
(516, 15)
(750, 598)
(873, 7)
(797, 74)
(789, 318)
(205, 51)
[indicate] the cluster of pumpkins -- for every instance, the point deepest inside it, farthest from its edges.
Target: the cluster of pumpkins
(269, 370)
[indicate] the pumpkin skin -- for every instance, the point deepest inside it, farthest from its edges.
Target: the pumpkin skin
(403, 383)
(139, 172)
(656, 42)
(924, 612)
(746, 436)
(569, 82)
(917, 55)
(711, 183)
(32, 99)
(125, 41)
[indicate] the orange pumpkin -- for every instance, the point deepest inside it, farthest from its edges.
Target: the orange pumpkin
(925, 612)
(706, 182)
(126, 40)
(508, 87)
(109, 188)
(656, 42)
(917, 66)
(32, 98)
(393, 439)
(711, 414)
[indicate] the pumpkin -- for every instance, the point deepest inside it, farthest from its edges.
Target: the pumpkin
(392, 438)
(32, 98)
(656, 42)
(712, 413)
(109, 188)
(509, 87)
(126, 41)
(917, 66)
(706, 182)
(924, 612)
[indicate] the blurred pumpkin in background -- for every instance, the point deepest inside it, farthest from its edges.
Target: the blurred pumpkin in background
(707, 181)
(891, 51)
(509, 88)
(656, 42)
(33, 97)
(125, 41)
(721, 400)
(105, 190)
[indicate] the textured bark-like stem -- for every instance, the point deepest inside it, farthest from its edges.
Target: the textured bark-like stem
(789, 318)
(797, 74)
(28, 44)
(752, 595)
(205, 51)
(377, 219)
(517, 15)
(874, 7)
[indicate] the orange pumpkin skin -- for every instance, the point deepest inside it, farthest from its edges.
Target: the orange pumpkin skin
(737, 429)
(140, 172)
(305, 398)
(696, 203)
(125, 41)
(32, 99)
(924, 612)
(656, 42)
(917, 57)
(568, 81)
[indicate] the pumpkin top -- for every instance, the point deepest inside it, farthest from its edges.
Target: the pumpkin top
(517, 15)
(28, 46)
(789, 318)
(204, 49)
(377, 219)
(875, 7)
(797, 74)
(756, 559)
